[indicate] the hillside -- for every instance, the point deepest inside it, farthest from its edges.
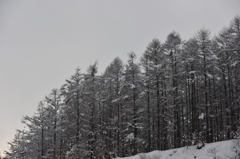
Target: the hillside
(180, 91)
(219, 150)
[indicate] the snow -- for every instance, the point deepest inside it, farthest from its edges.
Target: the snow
(201, 116)
(219, 150)
(158, 66)
(192, 72)
(234, 64)
(132, 86)
(121, 78)
(213, 56)
(209, 75)
(130, 137)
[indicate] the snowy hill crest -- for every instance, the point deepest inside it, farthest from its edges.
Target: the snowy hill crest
(219, 150)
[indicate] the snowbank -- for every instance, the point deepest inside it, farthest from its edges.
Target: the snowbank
(219, 150)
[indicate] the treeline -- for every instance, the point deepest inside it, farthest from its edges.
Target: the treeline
(180, 93)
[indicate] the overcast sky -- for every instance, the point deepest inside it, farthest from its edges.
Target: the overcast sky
(42, 42)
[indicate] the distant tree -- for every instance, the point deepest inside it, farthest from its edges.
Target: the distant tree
(153, 61)
(91, 91)
(72, 92)
(114, 105)
(180, 92)
(203, 39)
(146, 81)
(190, 61)
(172, 47)
(53, 102)
(133, 106)
(38, 125)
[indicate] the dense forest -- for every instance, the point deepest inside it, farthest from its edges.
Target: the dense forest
(179, 93)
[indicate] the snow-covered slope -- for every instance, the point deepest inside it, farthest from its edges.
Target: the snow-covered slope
(219, 150)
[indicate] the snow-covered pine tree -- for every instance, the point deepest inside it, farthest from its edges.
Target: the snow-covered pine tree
(172, 48)
(113, 77)
(72, 92)
(134, 109)
(203, 39)
(53, 101)
(153, 61)
(190, 62)
(92, 110)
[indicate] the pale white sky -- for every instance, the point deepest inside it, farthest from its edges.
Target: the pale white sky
(42, 42)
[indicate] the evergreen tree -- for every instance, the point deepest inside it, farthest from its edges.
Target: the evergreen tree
(181, 93)
(172, 47)
(72, 92)
(203, 38)
(113, 77)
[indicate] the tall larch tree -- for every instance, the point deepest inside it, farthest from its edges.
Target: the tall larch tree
(172, 47)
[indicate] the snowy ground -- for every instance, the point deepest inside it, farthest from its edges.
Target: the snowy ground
(219, 150)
